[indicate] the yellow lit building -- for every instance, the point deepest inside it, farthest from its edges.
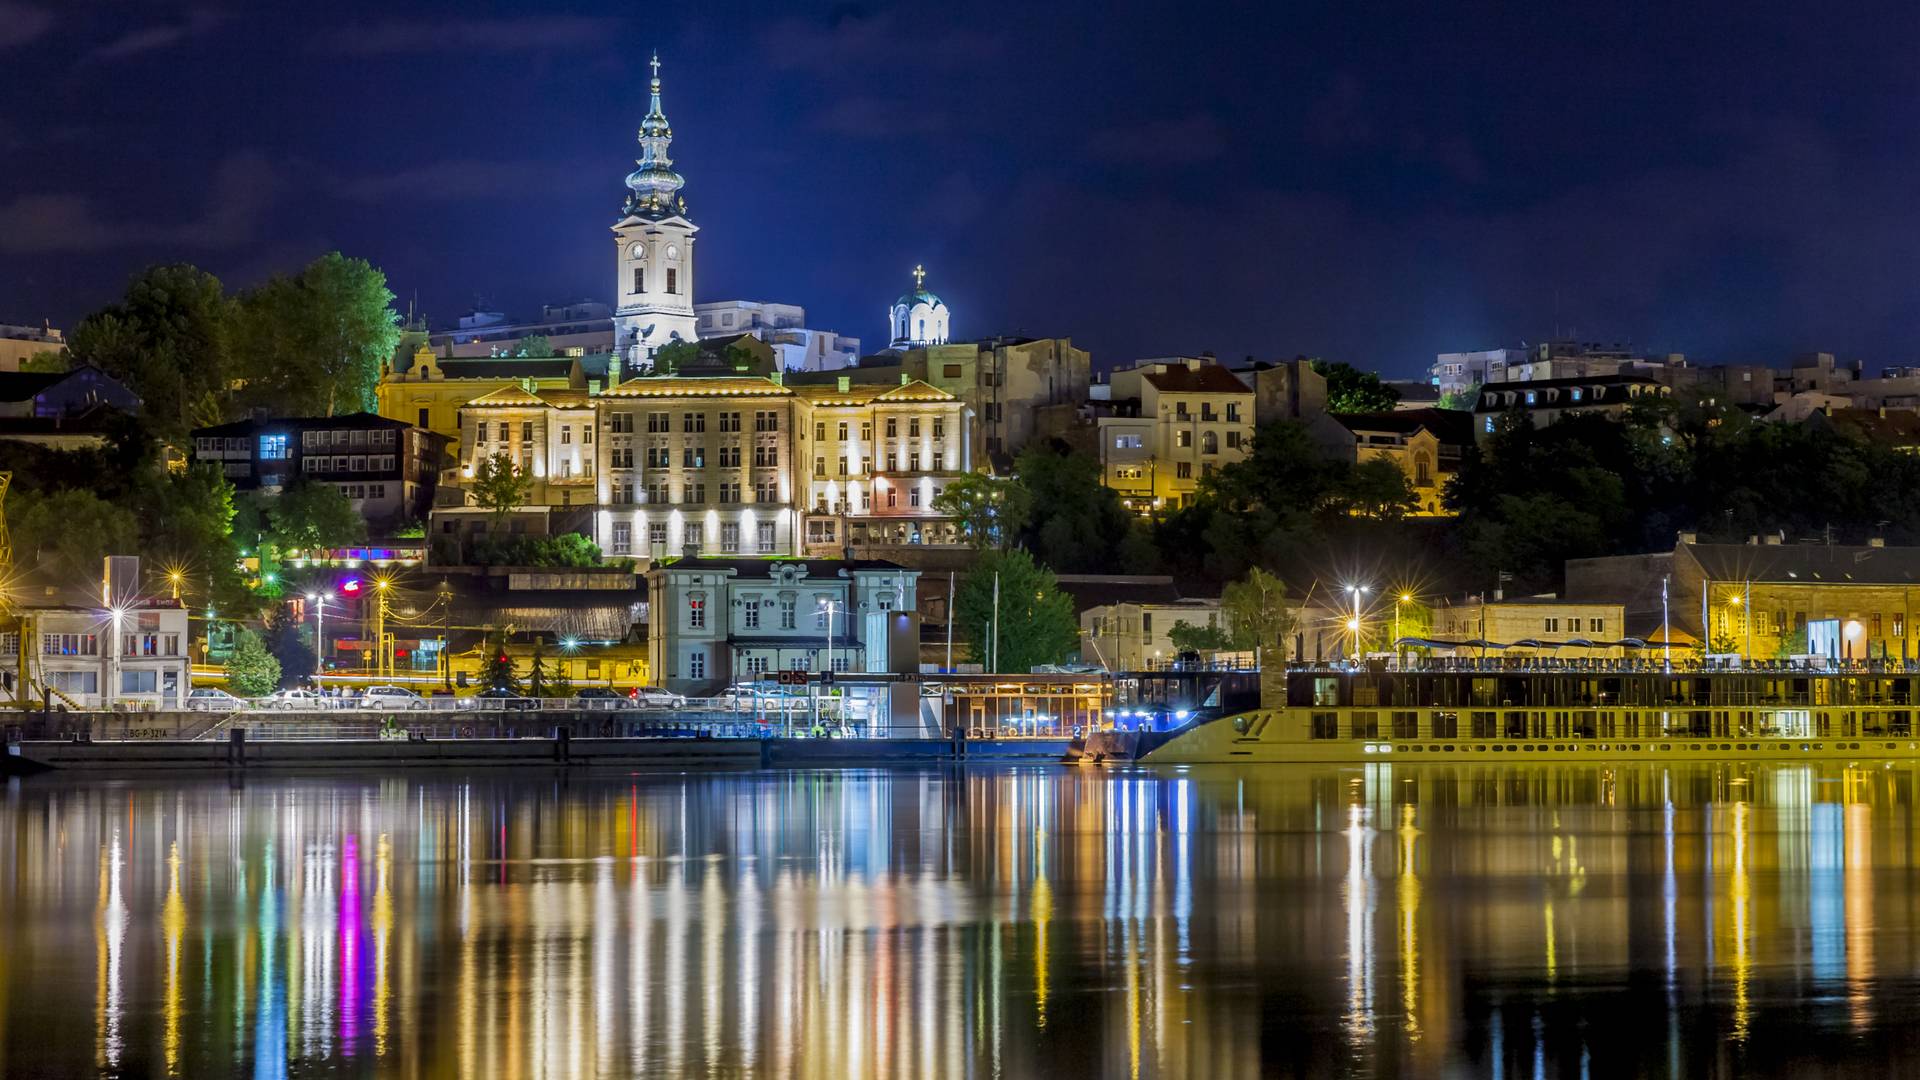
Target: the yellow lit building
(1172, 423)
(431, 390)
(1426, 445)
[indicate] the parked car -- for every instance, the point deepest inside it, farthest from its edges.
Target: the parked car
(746, 698)
(293, 699)
(391, 697)
(499, 697)
(654, 697)
(210, 699)
(604, 697)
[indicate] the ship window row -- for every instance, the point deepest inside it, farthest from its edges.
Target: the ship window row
(1321, 690)
(1516, 724)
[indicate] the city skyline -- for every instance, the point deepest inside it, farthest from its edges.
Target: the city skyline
(1726, 202)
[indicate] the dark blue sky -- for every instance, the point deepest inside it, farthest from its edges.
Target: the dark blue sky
(1358, 181)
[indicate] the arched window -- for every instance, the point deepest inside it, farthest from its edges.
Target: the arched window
(1422, 471)
(1209, 443)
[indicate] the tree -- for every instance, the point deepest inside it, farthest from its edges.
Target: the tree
(1077, 523)
(1461, 400)
(534, 345)
(1376, 488)
(290, 648)
(499, 485)
(46, 361)
(69, 532)
(310, 515)
(1261, 619)
(1036, 623)
(989, 510)
(169, 340)
(566, 549)
(313, 344)
(1350, 390)
(252, 671)
(537, 674)
(673, 356)
(497, 671)
(1186, 637)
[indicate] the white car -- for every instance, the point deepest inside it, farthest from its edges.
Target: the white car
(391, 697)
(747, 698)
(292, 699)
(210, 699)
(654, 697)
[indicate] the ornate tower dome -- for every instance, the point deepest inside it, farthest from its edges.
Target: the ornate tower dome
(653, 189)
(918, 318)
(653, 252)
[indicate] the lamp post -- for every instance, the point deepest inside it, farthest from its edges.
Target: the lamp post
(319, 600)
(174, 578)
(1353, 624)
(1403, 598)
(828, 606)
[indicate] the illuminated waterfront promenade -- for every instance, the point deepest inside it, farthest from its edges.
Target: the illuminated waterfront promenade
(967, 922)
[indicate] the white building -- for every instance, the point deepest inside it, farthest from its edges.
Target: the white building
(130, 650)
(1133, 636)
(653, 245)
(919, 318)
(784, 328)
(716, 622)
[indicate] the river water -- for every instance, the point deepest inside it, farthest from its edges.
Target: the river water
(1012, 922)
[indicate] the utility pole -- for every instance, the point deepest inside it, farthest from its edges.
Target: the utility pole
(950, 579)
(1666, 626)
(446, 654)
(993, 650)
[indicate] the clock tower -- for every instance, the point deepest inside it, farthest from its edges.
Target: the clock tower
(653, 250)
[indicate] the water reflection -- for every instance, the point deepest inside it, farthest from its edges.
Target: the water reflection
(1598, 920)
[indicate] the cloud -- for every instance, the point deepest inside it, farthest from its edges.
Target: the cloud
(20, 24)
(504, 35)
(469, 179)
(238, 198)
(1197, 136)
(853, 41)
(152, 38)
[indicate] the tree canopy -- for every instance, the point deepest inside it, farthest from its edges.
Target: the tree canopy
(499, 485)
(1351, 390)
(170, 340)
(991, 511)
(312, 344)
(251, 670)
(1037, 622)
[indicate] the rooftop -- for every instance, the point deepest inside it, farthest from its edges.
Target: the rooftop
(1807, 564)
(1206, 379)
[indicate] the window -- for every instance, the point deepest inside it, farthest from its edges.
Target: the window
(843, 431)
(639, 279)
(950, 371)
(697, 659)
(821, 612)
(697, 494)
(820, 430)
(273, 447)
(1899, 625)
(1598, 626)
(766, 537)
(1183, 470)
(693, 457)
(755, 665)
(673, 288)
(422, 419)
(819, 466)
(1553, 626)
(1366, 725)
(1325, 725)
(939, 461)
(566, 434)
(1406, 725)
(766, 455)
(694, 536)
(622, 538)
(750, 613)
(69, 645)
(765, 420)
(621, 423)
(621, 457)
(788, 610)
(913, 461)
(697, 611)
(623, 493)
(939, 428)
(893, 427)
(913, 427)
(893, 498)
(1209, 443)
(692, 422)
(480, 431)
(729, 492)
(657, 534)
(1233, 412)
(729, 421)
(1127, 442)
(74, 682)
(658, 423)
(764, 491)
(729, 537)
(913, 497)
(1183, 439)
(526, 431)
(866, 431)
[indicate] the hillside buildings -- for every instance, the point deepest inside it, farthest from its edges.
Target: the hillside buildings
(20, 343)
(1171, 423)
(388, 470)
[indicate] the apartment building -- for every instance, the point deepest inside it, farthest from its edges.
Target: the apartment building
(1172, 423)
(388, 469)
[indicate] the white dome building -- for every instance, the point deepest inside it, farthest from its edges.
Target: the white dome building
(918, 318)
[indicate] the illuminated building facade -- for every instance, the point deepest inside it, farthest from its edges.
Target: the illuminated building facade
(1425, 444)
(1172, 423)
(653, 243)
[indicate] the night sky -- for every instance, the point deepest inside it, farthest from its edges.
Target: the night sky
(1358, 181)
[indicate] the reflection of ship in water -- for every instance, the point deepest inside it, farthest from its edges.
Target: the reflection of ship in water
(1344, 714)
(1212, 921)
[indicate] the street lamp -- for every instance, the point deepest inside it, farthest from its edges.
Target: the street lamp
(828, 606)
(174, 578)
(1353, 624)
(1403, 598)
(319, 600)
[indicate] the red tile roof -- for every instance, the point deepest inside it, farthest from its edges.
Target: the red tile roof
(1209, 379)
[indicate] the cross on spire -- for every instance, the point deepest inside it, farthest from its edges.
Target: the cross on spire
(919, 277)
(656, 71)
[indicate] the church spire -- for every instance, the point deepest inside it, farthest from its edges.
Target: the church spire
(653, 188)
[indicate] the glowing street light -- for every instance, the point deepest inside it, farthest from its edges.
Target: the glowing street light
(319, 600)
(1353, 624)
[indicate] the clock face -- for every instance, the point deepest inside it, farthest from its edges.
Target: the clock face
(673, 252)
(637, 251)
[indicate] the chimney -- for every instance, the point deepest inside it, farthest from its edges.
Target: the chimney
(844, 383)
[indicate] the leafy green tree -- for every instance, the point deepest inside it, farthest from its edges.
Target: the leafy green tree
(252, 671)
(1350, 390)
(169, 340)
(533, 345)
(310, 515)
(1077, 522)
(675, 355)
(566, 549)
(313, 344)
(497, 672)
(291, 647)
(1461, 400)
(1186, 637)
(1376, 488)
(499, 485)
(537, 674)
(46, 362)
(69, 532)
(1261, 619)
(990, 511)
(1036, 624)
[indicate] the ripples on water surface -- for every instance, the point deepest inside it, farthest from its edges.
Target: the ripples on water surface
(998, 922)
